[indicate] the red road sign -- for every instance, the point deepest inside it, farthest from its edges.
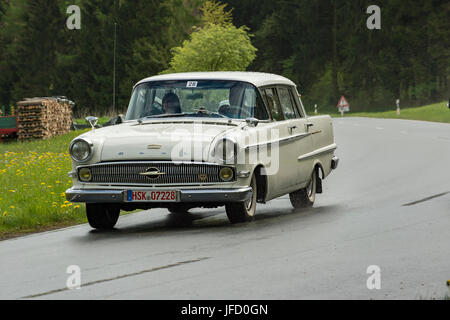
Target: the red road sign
(343, 104)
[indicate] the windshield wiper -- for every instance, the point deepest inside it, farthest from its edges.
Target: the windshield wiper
(166, 115)
(202, 110)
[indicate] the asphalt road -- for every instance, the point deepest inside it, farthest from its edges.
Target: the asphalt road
(387, 204)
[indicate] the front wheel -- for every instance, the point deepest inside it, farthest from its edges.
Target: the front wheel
(243, 211)
(305, 197)
(102, 216)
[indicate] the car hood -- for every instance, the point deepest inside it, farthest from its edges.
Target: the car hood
(166, 140)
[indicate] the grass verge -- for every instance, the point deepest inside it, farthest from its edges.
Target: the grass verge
(437, 112)
(33, 179)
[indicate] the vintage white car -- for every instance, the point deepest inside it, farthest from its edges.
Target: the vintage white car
(205, 139)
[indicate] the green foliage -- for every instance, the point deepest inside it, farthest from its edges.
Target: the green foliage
(41, 56)
(214, 48)
(323, 46)
(326, 48)
(217, 46)
(214, 13)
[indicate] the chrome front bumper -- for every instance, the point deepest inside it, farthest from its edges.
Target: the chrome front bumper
(196, 195)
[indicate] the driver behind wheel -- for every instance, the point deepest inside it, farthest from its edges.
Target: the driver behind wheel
(171, 103)
(225, 109)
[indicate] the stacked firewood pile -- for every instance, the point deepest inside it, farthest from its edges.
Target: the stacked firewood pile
(42, 118)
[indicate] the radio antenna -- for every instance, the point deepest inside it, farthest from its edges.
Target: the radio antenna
(114, 69)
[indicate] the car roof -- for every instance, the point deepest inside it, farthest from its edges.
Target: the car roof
(256, 78)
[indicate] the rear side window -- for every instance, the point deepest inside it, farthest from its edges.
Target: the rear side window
(287, 105)
(273, 104)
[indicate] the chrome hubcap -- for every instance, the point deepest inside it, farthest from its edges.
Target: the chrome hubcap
(310, 186)
(249, 203)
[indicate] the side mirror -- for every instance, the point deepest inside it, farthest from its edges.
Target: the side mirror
(252, 122)
(92, 121)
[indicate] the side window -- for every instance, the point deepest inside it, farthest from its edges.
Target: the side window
(289, 109)
(260, 112)
(248, 103)
(273, 104)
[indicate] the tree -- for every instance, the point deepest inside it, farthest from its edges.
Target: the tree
(216, 46)
(34, 53)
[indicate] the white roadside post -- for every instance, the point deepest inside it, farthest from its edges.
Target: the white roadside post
(398, 106)
(315, 108)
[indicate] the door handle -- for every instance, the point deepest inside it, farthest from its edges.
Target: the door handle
(291, 128)
(308, 125)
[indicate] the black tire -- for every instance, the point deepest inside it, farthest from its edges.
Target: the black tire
(243, 211)
(304, 198)
(102, 216)
(178, 209)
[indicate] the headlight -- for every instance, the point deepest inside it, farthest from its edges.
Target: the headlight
(80, 150)
(226, 174)
(85, 174)
(226, 150)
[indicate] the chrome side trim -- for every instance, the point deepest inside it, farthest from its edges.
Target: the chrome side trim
(317, 152)
(280, 141)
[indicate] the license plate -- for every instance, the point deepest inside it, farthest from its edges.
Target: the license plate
(153, 196)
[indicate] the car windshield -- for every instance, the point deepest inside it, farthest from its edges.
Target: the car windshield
(199, 98)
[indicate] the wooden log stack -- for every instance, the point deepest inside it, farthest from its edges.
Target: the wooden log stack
(43, 118)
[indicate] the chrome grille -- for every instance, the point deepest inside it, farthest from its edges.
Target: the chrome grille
(175, 173)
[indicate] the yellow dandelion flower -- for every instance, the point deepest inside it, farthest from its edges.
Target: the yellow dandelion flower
(49, 187)
(66, 202)
(70, 204)
(12, 191)
(76, 207)
(12, 207)
(52, 193)
(42, 183)
(5, 213)
(63, 206)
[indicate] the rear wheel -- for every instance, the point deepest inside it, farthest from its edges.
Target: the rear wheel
(243, 211)
(102, 216)
(305, 197)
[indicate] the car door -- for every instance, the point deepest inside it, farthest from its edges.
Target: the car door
(288, 129)
(299, 130)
